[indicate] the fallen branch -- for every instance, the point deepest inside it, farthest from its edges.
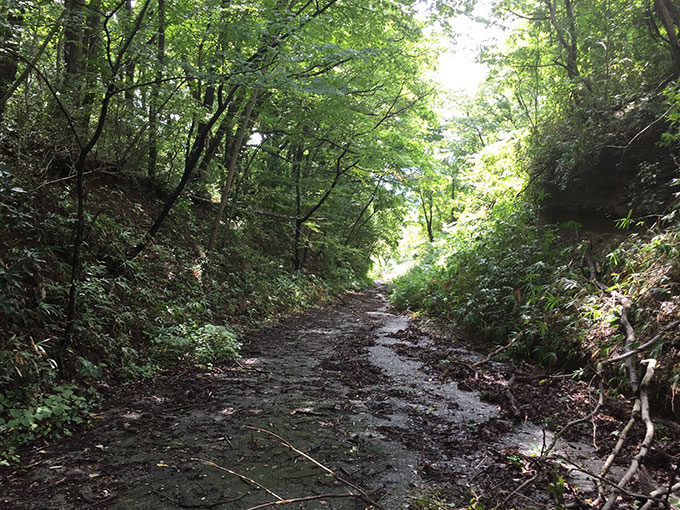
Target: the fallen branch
(494, 353)
(307, 498)
(198, 505)
(646, 345)
(242, 477)
(659, 492)
(633, 376)
(287, 444)
(649, 434)
(595, 504)
(623, 435)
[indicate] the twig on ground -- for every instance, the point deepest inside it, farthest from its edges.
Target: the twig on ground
(494, 353)
(595, 504)
(198, 505)
(600, 401)
(242, 477)
(526, 483)
(287, 444)
(303, 499)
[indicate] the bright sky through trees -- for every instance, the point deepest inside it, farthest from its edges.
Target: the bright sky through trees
(458, 69)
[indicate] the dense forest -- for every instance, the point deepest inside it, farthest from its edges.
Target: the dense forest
(174, 175)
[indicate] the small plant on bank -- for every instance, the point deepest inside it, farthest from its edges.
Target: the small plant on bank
(48, 416)
(204, 345)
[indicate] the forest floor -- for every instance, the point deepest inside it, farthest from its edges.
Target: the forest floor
(367, 392)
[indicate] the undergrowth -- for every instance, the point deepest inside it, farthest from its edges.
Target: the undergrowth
(507, 276)
(171, 305)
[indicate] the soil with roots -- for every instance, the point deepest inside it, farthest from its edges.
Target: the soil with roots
(375, 401)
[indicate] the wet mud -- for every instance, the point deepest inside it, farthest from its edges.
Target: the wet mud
(356, 386)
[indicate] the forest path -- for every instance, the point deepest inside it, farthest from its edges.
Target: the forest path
(349, 384)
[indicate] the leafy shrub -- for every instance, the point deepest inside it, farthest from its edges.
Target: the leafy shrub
(206, 344)
(500, 277)
(48, 415)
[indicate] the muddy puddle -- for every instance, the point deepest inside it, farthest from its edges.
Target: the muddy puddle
(342, 384)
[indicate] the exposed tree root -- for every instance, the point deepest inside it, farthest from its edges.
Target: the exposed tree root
(623, 435)
(633, 377)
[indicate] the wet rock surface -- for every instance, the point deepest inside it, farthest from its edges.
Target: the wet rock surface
(356, 386)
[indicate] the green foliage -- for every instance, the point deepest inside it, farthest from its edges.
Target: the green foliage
(205, 345)
(501, 278)
(47, 415)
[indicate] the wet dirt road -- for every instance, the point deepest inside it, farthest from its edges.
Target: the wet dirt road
(346, 384)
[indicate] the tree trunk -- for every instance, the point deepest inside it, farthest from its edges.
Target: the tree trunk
(669, 25)
(91, 40)
(233, 159)
(73, 48)
(226, 126)
(130, 64)
(566, 37)
(79, 226)
(160, 57)
(297, 153)
(6, 93)
(196, 148)
(427, 205)
(353, 227)
(9, 64)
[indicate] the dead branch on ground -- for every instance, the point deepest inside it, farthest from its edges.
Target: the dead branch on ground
(649, 434)
(287, 444)
(242, 477)
(495, 353)
(302, 500)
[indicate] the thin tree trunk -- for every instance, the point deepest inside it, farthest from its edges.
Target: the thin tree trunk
(298, 154)
(301, 220)
(130, 65)
(91, 40)
(427, 213)
(194, 155)
(190, 164)
(7, 93)
(9, 63)
(225, 126)
(355, 223)
(667, 21)
(244, 177)
(233, 159)
(73, 54)
(79, 227)
(153, 128)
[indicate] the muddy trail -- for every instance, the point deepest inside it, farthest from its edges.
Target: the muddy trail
(389, 408)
